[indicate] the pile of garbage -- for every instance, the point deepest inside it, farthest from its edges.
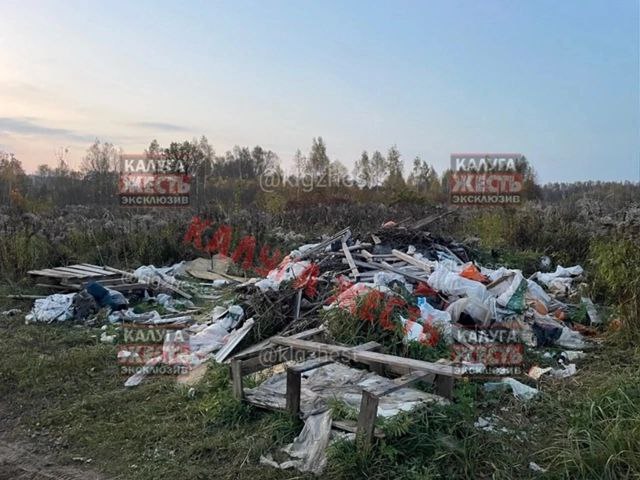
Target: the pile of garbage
(398, 279)
(462, 301)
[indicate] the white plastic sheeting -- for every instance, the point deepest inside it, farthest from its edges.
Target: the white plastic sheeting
(170, 304)
(452, 283)
(571, 339)
(564, 372)
(341, 382)
(195, 344)
(152, 274)
(438, 318)
(287, 270)
(519, 389)
(561, 280)
(57, 307)
(307, 452)
(506, 298)
(537, 292)
(561, 272)
(384, 279)
(481, 312)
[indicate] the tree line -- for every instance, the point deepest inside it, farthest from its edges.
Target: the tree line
(234, 178)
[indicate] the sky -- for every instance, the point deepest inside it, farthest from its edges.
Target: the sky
(556, 81)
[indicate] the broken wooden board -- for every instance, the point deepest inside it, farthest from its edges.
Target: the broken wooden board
(233, 340)
(367, 357)
(71, 277)
(414, 261)
(383, 266)
(206, 269)
(352, 265)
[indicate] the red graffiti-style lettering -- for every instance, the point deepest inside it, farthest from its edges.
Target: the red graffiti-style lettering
(268, 262)
(221, 241)
(246, 248)
(195, 231)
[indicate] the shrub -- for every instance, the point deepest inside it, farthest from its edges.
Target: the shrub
(616, 279)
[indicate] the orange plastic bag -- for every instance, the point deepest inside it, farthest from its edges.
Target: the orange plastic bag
(472, 273)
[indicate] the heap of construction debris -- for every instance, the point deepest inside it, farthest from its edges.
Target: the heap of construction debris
(400, 279)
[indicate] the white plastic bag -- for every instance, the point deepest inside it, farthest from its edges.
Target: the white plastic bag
(451, 283)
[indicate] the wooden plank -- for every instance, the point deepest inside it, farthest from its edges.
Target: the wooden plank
(296, 314)
(93, 269)
(76, 273)
(107, 282)
(404, 381)
(105, 269)
(274, 355)
(233, 339)
(85, 268)
(294, 385)
(504, 278)
(267, 358)
(48, 272)
(369, 357)
(127, 286)
(428, 220)
(369, 346)
(366, 255)
(255, 349)
(453, 255)
(55, 287)
(444, 386)
(116, 270)
(352, 265)
(236, 378)
(322, 245)
(381, 266)
(366, 420)
(312, 365)
(178, 291)
(25, 297)
(413, 261)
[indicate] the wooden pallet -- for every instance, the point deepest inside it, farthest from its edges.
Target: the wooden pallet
(74, 273)
(283, 349)
(77, 277)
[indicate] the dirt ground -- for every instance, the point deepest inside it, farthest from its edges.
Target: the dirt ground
(20, 460)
